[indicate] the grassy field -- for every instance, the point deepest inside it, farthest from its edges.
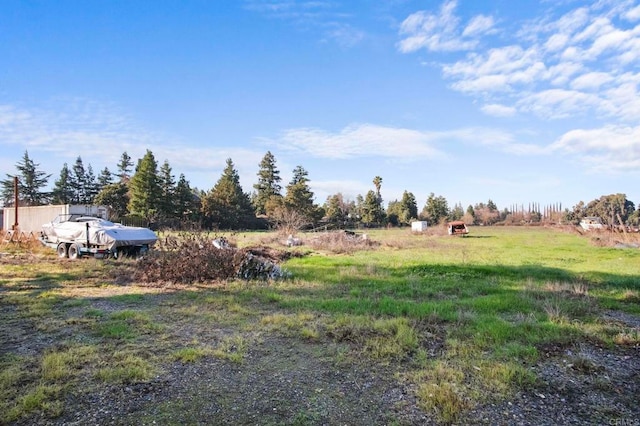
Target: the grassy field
(462, 323)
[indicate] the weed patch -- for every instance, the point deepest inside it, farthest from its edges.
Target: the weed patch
(190, 354)
(126, 367)
(231, 348)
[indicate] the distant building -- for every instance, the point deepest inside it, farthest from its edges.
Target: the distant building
(591, 222)
(419, 226)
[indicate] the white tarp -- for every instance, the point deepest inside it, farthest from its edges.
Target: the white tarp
(101, 232)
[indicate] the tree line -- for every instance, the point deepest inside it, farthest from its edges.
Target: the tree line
(151, 193)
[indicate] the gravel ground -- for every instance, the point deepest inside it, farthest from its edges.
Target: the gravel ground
(285, 381)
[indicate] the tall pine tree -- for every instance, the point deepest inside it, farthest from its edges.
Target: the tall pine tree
(166, 208)
(226, 206)
(124, 167)
(63, 190)
(186, 202)
(268, 185)
(299, 196)
(144, 188)
(31, 181)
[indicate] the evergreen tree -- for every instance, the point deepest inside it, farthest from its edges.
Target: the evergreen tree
(338, 210)
(145, 192)
(186, 202)
(409, 207)
(299, 196)
(78, 181)
(105, 178)
(166, 207)
(116, 197)
(30, 184)
(372, 212)
(457, 212)
(226, 206)
(268, 185)
(62, 190)
(404, 211)
(91, 188)
(124, 167)
(394, 211)
(436, 209)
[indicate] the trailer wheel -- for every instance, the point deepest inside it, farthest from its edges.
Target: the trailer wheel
(74, 251)
(62, 250)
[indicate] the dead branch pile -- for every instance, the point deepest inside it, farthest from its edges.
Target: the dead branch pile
(191, 259)
(342, 242)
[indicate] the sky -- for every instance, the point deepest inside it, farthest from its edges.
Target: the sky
(514, 101)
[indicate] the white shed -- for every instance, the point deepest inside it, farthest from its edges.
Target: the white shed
(31, 219)
(419, 226)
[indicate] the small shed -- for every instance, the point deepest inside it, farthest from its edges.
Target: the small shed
(419, 226)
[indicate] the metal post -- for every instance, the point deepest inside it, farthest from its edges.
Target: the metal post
(15, 201)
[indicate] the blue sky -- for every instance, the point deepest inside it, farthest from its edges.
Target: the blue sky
(514, 101)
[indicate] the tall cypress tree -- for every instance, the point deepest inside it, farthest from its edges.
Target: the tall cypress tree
(144, 188)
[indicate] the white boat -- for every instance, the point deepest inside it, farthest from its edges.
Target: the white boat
(85, 232)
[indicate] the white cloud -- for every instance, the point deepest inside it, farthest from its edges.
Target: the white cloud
(361, 140)
(369, 140)
(556, 42)
(478, 25)
(608, 149)
(324, 17)
(497, 139)
(99, 133)
(591, 81)
(562, 73)
(558, 66)
(498, 110)
(632, 14)
(344, 35)
(442, 31)
(558, 103)
(498, 70)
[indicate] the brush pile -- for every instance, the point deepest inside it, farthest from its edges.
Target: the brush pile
(342, 242)
(195, 258)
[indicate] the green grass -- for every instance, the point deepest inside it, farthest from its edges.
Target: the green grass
(487, 306)
(126, 367)
(189, 354)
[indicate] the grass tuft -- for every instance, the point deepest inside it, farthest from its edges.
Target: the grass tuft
(186, 355)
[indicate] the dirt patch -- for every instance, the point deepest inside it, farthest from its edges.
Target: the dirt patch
(281, 381)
